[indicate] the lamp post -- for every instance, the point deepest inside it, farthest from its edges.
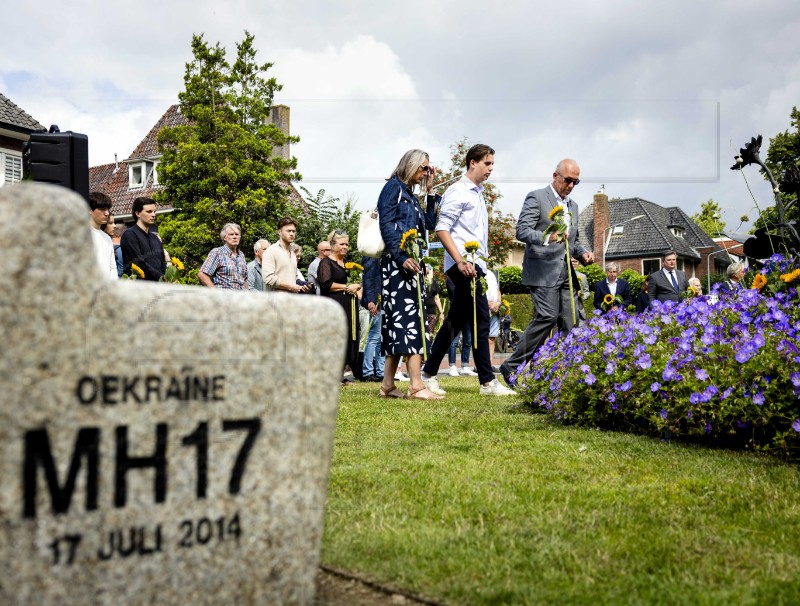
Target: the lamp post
(607, 241)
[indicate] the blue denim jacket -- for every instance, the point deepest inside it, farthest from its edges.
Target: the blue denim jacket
(371, 281)
(398, 212)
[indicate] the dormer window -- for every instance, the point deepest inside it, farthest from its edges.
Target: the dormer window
(136, 175)
(677, 231)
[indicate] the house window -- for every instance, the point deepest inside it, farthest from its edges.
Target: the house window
(11, 163)
(155, 173)
(677, 231)
(650, 265)
(136, 175)
(679, 264)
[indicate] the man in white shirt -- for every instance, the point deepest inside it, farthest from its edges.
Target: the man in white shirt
(279, 263)
(100, 205)
(463, 218)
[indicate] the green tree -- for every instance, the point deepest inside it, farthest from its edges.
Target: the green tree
(710, 218)
(221, 167)
(326, 213)
(783, 157)
(501, 225)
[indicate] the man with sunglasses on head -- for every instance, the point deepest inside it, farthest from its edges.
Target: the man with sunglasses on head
(544, 269)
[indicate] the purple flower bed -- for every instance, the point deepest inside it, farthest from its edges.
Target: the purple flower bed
(728, 370)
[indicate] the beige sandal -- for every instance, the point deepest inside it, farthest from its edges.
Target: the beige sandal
(392, 393)
(414, 394)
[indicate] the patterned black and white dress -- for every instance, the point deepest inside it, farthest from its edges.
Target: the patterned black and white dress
(399, 210)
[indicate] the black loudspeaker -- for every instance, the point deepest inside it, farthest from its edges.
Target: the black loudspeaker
(59, 158)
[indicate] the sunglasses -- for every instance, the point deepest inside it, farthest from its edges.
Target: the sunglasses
(569, 180)
(426, 168)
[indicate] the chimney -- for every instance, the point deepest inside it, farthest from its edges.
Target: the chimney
(602, 221)
(279, 116)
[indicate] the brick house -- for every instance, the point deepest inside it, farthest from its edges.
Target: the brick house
(137, 175)
(16, 127)
(640, 231)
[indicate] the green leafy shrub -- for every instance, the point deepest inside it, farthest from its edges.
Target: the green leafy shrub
(594, 273)
(510, 280)
(634, 280)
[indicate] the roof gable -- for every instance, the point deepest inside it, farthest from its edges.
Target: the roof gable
(13, 117)
(648, 236)
(148, 147)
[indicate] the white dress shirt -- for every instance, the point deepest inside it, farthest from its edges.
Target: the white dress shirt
(104, 253)
(567, 215)
(463, 213)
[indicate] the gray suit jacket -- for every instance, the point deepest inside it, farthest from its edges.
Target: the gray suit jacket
(660, 287)
(542, 264)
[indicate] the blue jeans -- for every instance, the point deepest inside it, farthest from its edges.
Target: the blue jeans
(373, 360)
(466, 333)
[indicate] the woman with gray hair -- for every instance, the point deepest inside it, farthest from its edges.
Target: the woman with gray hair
(399, 211)
(735, 274)
(225, 266)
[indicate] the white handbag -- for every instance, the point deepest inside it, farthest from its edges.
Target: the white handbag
(370, 242)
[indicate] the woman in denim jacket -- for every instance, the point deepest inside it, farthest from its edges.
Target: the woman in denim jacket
(399, 210)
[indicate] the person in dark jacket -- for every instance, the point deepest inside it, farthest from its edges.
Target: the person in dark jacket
(141, 245)
(616, 287)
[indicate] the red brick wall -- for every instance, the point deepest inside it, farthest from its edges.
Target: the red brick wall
(602, 220)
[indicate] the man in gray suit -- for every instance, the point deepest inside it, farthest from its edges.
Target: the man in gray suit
(668, 283)
(544, 269)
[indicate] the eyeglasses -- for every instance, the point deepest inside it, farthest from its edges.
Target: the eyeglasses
(569, 180)
(426, 168)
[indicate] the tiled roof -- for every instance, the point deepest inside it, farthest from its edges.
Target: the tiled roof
(112, 179)
(114, 183)
(648, 236)
(11, 115)
(148, 148)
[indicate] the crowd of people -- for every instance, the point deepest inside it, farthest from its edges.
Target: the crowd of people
(391, 304)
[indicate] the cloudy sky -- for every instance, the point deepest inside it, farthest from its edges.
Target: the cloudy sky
(652, 99)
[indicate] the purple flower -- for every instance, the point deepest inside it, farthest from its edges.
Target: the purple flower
(696, 398)
(726, 393)
(644, 362)
(795, 377)
(708, 427)
(589, 379)
(758, 398)
(701, 374)
(743, 355)
(611, 367)
(584, 368)
(612, 397)
(663, 413)
(796, 425)
(625, 386)
(689, 415)
(655, 386)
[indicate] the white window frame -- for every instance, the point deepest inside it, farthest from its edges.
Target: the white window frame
(656, 259)
(155, 173)
(10, 161)
(677, 232)
(142, 167)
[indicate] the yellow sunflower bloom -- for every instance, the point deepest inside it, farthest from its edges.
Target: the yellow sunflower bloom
(759, 281)
(608, 299)
(137, 270)
(411, 234)
(791, 276)
(177, 263)
(349, 265)
(472, 246)
(556, 211)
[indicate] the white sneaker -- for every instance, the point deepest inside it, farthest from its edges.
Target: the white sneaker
(399, 376)
(432, 383)
(495, 389)
(453, 372)
(468, 372)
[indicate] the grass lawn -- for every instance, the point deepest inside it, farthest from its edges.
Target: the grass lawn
(473, 500)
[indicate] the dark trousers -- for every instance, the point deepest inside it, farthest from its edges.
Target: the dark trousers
(459, 315)
(551, 305)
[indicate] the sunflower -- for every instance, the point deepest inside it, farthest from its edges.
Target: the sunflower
(411, 234)
(177, 263)
(608, 299)
(351, 265)
(138, 270)
(791, 276)
(557, 210)
(472, 246)
(759, 281)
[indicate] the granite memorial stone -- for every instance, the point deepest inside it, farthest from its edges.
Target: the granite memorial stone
(159, 444)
